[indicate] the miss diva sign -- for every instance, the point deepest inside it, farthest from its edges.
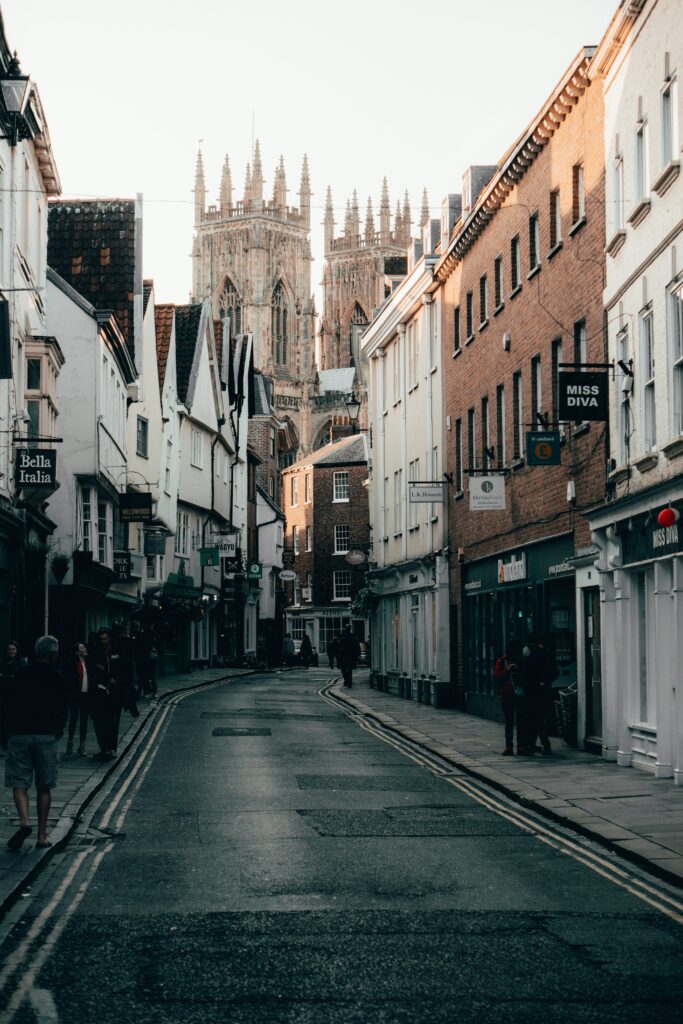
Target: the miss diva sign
(582, 396)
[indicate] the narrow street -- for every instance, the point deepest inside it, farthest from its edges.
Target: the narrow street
(268, 860)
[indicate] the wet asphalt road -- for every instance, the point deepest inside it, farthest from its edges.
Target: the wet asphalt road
(309, 872)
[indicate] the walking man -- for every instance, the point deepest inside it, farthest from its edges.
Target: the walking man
(348, 652)
(36, 715)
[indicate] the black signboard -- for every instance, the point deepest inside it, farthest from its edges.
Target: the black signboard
(287, 558)
(583, 396)
(122, 565)
(35, 467)
(155, 542)
(642, 538)
(135, 508)
(543, 448)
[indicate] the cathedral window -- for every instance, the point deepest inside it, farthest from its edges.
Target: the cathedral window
(231, 307)
(280, 325)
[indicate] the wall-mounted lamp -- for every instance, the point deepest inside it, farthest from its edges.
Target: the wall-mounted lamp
(16, 89)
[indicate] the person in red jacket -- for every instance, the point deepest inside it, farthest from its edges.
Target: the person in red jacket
(507, 673)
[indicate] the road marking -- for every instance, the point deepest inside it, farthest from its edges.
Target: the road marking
(24, 950)
(648, 893)
(43, 1003)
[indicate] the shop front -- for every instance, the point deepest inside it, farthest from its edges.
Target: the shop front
(530, 589)
(641, 582)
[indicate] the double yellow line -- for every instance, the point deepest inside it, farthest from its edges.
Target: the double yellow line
(649, 892)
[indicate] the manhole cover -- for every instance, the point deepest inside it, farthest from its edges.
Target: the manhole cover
(240, 732)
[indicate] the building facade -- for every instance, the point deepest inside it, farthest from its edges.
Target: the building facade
(640, 566)
(410, 652)
(521, 282)
(28, 408)
(327, 540)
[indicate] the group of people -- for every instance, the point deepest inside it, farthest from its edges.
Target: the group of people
(525, 676)
(39, 696)
(343, 649)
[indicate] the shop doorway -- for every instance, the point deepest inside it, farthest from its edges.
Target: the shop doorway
(593, 667)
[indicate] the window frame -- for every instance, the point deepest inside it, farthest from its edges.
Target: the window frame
(339, 529)
(647, 363)
(341, 584)
(142, 450)
(344, 491)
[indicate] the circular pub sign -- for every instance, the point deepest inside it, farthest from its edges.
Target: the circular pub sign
(356, 557)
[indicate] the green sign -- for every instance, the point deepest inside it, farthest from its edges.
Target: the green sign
(254, 570)
(543, 448)
(209, 556)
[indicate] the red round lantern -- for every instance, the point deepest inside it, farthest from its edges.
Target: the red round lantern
(667, 517)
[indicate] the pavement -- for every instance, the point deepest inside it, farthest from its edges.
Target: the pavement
(625, 809)
(80, 778)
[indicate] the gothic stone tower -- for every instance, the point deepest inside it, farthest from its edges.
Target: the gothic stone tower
(361, 268)
(252, 258)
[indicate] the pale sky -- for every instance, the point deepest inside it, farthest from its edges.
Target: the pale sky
(413, 91)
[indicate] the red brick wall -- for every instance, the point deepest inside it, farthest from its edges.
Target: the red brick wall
(322, 514)
(567, 288)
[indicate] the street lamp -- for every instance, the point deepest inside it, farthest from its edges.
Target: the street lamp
(353, 408)
(16, 89)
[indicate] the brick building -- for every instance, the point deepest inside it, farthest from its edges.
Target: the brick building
(521, 283)
(326, 508)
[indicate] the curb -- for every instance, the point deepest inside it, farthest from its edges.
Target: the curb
(465, 765)
(69, 822)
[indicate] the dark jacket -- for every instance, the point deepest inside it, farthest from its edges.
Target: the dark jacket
(533, 671)
(348, 650)
(36, 702)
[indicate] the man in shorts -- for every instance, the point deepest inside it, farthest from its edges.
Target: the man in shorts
(36, 707)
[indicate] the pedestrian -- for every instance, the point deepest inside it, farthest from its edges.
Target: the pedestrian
(507, 673)
(332, 646)
(145, 659)
(78, 675)
(306, 651)
(348, 652)
(8, 669)
(112, 672)
(36, 709)
(288, 650)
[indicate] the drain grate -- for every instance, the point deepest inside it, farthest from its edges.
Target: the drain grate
(240, 732)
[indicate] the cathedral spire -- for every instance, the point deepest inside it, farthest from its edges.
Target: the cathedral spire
(347, 220)
(385, 215)
(407, 219)
(424, 213)
(199, 190)
(398, 223)
(226, 188)
(369, 224)
(280, 185)
(355, 216)
(305, 193)
(257, 177)
(247, 185)
(329, 220)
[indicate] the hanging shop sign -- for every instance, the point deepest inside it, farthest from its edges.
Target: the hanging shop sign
(355, 557)
(254, 570)
(287, 575)
(135, 508)
(288, 558)
(487, 493)
(430, 491)
(35, 468)
(543, 448)
(225, 544)
(583, 396)
(512, 570)
(155, 542)
(122, 563)
(209, 556)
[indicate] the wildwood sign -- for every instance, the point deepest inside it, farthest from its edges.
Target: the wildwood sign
(35, 468)
(582, 396)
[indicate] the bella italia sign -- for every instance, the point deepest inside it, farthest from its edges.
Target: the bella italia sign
(582, 396)
(35, 468)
